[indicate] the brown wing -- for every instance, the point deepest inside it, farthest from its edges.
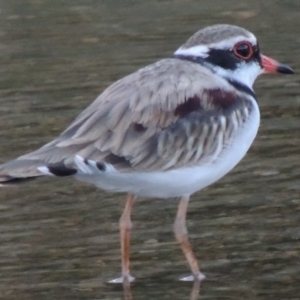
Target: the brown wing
(196, 139)
(140, 121)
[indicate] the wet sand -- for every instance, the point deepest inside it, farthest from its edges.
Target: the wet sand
(59, 238)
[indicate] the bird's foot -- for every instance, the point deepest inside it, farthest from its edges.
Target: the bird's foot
(123, 279)
(198, 277)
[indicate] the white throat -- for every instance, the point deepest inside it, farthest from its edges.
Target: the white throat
(246, 73)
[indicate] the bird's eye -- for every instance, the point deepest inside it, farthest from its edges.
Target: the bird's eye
(243, 50)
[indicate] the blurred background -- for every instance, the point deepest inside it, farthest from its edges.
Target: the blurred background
(59, 239)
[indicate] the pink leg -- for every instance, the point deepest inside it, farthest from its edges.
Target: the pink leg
(181, 235)
(125, 230)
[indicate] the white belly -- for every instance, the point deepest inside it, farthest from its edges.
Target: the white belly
(184, 181)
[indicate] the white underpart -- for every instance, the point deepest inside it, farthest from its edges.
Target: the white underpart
(179, 182)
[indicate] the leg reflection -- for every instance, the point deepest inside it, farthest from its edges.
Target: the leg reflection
(195, 294)
(127, 289)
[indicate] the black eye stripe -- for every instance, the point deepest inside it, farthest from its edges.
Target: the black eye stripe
(222, 58)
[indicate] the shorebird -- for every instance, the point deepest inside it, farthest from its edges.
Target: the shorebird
(168, 130)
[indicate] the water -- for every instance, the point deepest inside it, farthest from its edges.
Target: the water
(59, 239)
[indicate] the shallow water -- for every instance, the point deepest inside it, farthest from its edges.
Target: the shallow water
(59, 238)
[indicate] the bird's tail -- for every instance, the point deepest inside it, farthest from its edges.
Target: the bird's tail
(28, 166)
(19, 170)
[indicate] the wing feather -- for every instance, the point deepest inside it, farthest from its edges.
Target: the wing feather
(168, 115)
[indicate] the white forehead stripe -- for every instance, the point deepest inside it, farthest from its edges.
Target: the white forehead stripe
(201, 50)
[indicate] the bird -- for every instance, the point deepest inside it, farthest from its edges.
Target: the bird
(167, 130)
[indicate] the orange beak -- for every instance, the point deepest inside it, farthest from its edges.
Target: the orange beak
(272, 66)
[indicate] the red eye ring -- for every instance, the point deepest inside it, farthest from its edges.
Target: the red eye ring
(243, 50)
